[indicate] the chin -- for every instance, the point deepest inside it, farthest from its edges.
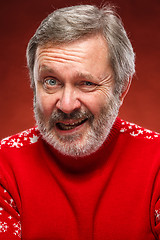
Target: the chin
(82, 142)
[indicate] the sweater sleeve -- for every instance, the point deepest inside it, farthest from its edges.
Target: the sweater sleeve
(156, 205)
(157, 218)
(10, 227)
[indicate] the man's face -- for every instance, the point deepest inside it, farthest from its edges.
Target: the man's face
(74, 103)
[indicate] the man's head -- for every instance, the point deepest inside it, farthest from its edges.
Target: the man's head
(80, 61)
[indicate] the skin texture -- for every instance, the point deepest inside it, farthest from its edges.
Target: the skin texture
(74, 88)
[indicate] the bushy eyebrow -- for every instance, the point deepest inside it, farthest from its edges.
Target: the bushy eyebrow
(98, 80)
(46, 68)
(79, 75)
(86, 76)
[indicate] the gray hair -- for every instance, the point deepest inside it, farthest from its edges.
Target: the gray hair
(71, 23)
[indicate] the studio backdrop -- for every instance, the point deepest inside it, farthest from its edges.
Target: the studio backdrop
(19, 20)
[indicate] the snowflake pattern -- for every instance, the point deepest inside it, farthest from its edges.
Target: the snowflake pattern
(157, 215)
(1, 209)
(19, 140)
(32, 135)
(137, 131)
(11, 203)
(3, 227)
(17, 229)
(8, 224)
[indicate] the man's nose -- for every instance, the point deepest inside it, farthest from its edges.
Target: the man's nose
(68, 100)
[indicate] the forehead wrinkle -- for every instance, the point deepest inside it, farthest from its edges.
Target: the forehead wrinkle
(61, 50)
(60, 55)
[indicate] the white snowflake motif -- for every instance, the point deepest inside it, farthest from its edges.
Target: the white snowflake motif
(19, 140)
(140, 131)
(34, 139)
(1, 209)
(123, 130)
(3, 227)
(149, 137)
(17, 231)
(11, 203)
(3, 142)
(15, 143)
(136, 131)
(148, 131)
(24, 133)
(134, 134)
(157, 215)
(156, 136)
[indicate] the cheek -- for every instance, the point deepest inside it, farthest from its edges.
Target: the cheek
(46, 104)
(96, 103)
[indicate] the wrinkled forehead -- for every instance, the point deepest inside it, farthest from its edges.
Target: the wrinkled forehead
(89, 54)
(84, 58)
(86, 44)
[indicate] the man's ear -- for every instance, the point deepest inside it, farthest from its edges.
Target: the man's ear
(124, 93)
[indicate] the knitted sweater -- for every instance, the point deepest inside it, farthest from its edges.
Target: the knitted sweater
(112, 194)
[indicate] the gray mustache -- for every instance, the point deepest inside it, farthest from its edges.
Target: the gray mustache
(59, 115)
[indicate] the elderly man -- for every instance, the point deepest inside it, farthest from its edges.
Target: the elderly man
(82, 173)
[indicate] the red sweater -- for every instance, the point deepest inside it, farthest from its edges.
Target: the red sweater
(111, 195)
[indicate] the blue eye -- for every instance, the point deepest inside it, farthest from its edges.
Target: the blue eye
(51, 82)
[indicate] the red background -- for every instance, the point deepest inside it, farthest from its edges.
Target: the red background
(19, 20)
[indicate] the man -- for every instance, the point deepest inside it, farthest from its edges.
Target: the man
(82, 173)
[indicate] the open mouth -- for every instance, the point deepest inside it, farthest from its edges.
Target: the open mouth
(69, 126)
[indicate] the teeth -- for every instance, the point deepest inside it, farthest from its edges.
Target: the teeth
(69, 126)
(73, 124)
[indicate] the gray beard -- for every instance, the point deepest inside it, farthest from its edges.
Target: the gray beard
(78, 144)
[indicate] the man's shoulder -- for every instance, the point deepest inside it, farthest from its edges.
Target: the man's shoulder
(19, 140)
(136, 131)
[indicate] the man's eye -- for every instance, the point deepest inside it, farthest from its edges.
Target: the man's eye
(88, 86)
(87, 83)
(50, 82)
